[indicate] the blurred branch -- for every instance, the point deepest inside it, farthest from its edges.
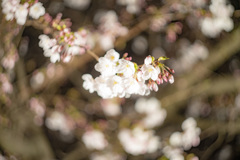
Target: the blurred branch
(193, 83)
(208, 87)
(217, 56)
(24, 138)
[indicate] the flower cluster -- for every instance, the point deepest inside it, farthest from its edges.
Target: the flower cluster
(190, 54)
(94, 139)
(180, 141)
(65, 45)
(220, 20)
(155, 115)
(57, 121)
(20, 10)
(138, 141)
(121, 77)
(109, 28)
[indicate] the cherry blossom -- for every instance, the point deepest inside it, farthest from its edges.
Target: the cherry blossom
(19, 11)
(36, 10)
(94, 139)
(138, 141)
(121, 77)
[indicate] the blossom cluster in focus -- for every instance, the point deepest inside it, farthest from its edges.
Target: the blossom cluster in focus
(121, 77)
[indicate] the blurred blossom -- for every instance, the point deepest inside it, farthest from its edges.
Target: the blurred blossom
(138, 141)
(38, 107)
(106, 41)
(6, 86)
(196, 108)
(132, 6)
(190, 55)
(155, 115)
(237, 101)
(140, 45)
(158, 23)
(9, 61)
(58, 122)
(94, 139)
(189, 137)
(111, 107)
(220, 20)
(19, 10)
(2, 157)
(173, 153)
(77, 4)
(37, 80)
(109, 28)
(106, 156)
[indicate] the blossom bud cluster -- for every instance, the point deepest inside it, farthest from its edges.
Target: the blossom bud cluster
(121, 77)
(65, 45)
(18, 10)
(220, 20)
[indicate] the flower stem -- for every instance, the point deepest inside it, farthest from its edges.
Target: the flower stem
(94, 55)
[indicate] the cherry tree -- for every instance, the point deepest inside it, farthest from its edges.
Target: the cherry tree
(86, 79)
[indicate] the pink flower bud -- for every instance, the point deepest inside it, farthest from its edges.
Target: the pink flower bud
(167, 74)
(161, 81)
(165, 78)
(171, 78)
(155, 87)
(158, 81)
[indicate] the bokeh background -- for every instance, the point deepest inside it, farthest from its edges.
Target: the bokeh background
(45, 112)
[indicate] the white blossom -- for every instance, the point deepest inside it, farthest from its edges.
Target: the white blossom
(105, 67)
(57, 122)
(94, 139)
(112, 55)
(155, 115)
(126, 68)
(154, 119)
(220, 20)
(138, 141)
(53, 53)
(131, 85)
(103, 90)
(148, 60)
(110, 107)
(116, 85)
(21, 14)
(173, 153)
(36, 10)
(9, 8)
(150, 72)
(45, 42)
(89, 83)
(189, 137)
